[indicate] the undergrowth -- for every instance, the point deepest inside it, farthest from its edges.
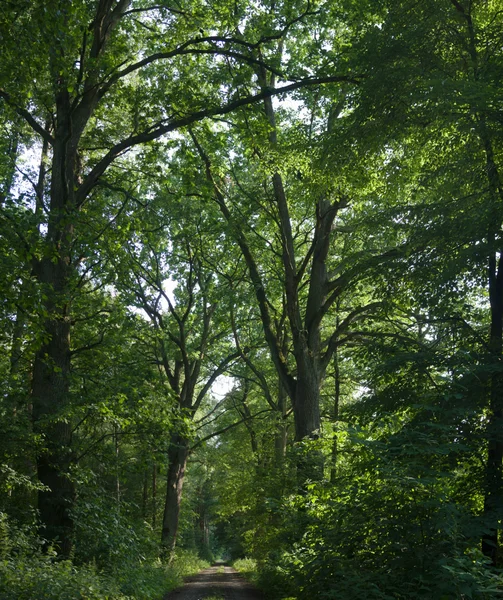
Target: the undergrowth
(28, 573)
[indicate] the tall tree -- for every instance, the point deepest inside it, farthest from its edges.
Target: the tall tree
(103, 82)
(190, 327)
(439, 101)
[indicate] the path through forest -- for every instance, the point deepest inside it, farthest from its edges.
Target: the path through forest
(221, 582)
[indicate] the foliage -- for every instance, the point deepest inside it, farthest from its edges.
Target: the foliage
(335, 252)
(26, 572)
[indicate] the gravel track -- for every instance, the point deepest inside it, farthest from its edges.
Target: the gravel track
(220, 581)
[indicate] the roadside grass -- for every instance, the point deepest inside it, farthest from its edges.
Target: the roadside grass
(265, 579)
(28, 573)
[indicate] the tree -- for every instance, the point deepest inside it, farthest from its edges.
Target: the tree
(189, 327)
(305, 275)
(440, 100)
(96, 60)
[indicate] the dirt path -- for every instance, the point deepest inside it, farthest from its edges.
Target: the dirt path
(216, 582)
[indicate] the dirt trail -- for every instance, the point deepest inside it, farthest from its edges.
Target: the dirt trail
(219, 581)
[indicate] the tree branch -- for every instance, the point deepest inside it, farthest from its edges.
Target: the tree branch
(28, 117)
(224, 429)
(216, 373)
(88, 346)
(178, 123)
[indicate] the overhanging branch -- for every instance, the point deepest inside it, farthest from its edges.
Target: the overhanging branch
(28, 117)
(184, 121)
(224, 429)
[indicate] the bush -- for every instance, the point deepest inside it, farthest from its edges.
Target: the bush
(44, 578)
(26, 573)
(187, 562)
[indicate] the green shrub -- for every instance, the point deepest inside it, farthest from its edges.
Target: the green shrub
(26, 573)
(246, 566)
(43, 578)
(187, 562)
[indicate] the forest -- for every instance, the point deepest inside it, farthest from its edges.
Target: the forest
(251, 297)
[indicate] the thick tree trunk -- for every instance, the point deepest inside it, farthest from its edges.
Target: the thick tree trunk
(50, 396)
(306, 408)
(177, 455)
(306, 404)
(493, 500)
(51, 369)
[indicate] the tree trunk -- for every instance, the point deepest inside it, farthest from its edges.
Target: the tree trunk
(281, 439)
(306, 405)
(50, 391)
(493, 500)
(144, 496)
(306, 409)
(335, 416)
(154, 495)
(51, 369)
(177, 455)
(117, 467)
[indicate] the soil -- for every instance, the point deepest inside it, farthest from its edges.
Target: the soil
(219, 581)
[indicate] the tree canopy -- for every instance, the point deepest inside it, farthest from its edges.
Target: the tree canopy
(252, 296)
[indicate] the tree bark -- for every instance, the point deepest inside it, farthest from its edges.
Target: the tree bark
(493, 500)
(335, 416)
(50, 397)
(306, 403)
(177, 455)
(51, 369)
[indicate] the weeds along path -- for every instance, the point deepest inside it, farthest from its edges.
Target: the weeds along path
(216, 583)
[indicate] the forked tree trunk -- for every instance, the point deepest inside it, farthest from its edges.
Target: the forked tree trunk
(51, 368)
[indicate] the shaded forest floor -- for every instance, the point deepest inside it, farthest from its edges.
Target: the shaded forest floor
(219, 581)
